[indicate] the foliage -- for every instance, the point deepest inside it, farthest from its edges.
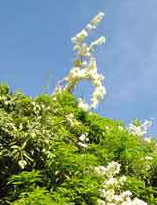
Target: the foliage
(49, 149)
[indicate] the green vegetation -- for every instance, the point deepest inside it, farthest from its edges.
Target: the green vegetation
(49, 148)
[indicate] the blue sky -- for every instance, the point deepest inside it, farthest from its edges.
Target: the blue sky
(35, 48)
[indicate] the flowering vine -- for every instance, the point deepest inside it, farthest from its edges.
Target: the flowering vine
(110, 193)
(85, 66)
(140, 129)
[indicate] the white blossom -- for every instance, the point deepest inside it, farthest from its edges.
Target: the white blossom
(83, 105)
(86, 68)
(148, 158)
(84, 63)
(140, 129)
(97, 42)
(108, 192)
(70, 119)
(100, 170)
(122, 179)
(100, 202)
(82, 144)
(147, 139)
(83, 138)
(137, 201)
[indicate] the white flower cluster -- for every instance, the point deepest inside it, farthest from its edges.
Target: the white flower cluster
(112, 169)
(147, 163)
(148, 158)
(85, 66)
(112, 184)
(148, 139)
(83, 140)
(140, 129)
(72, 121)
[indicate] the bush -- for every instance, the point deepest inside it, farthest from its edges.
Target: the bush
(49, 149)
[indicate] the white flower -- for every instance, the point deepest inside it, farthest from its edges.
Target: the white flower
(111, 182)
(113, 168)
(148, 158)
(83, 50)
(101, 202)
(109, 195)
(87, 68)
(101, 14)
(89, 27)
(95, 21)
(80, 36)
(126, 194)
(111, 185)
(70, 119)
(83, 137)
(141, 129)
(148, 123)
(94, 104)
(73, 39)
(54, 99)
(122, 179)
(82, 144)
(98, 18)
(137, 201)
(82, 33)
(83, 105)
(100, 170)
(147, 139)
(99, 92)
(84, 63)
(97, 42)
(22, 164)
